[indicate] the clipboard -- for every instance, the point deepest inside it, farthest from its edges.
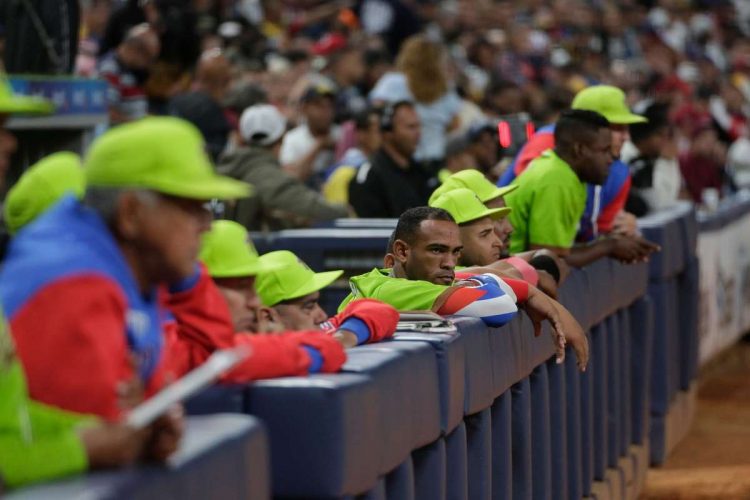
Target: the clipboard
(424, 322)
(216, 365)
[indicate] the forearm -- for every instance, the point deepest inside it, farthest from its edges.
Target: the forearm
(584, 255)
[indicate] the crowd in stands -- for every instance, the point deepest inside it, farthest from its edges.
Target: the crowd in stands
(511, 140)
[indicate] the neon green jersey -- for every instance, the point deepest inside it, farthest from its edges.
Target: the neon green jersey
(547, 205)
(37, 442)
(403, 294)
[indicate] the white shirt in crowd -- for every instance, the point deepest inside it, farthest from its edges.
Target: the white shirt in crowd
(299, 141)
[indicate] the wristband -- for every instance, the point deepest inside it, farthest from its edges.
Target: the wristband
(358, 328)
(316, 360)
(546, 263)
(528, 273)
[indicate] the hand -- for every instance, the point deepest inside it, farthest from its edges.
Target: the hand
(346, 338)
(565, 328)
(574, 335)
(166, 433)
(625, 223)
(112, 445)
(539, 307)
(130, 393)
(547, 283)
(632, 249)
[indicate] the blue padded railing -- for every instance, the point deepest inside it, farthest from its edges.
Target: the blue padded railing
(221, 457)
(487, 413)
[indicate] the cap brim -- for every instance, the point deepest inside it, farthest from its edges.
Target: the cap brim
(319, 282)
(500, 192)
(626, 119)
(26, 105)
(217, 187)
(497, 213)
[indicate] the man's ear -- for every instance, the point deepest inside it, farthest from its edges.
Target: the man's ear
(127, 216)
(400, 250)
(269, 320)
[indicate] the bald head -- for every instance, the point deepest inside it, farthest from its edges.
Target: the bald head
(213, 74)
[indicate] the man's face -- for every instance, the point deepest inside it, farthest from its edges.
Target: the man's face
(596, 157)
(433, 255)
(620, 134)
(242, 300)
(482, 247)
(404, 137)
(371, 138)
(503, 227)
(166, 231)
(319, 113)
(484, 150)
(8, 145)
(303, 313)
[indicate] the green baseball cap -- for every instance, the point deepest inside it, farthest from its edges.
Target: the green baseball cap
(41, 186)
(165, 154)
(227, 251)
(475, 181)
(609, 102)
(11, 103)
(465, 206)
(283, 276)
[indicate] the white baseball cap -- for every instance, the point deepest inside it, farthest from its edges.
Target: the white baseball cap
(262, 124)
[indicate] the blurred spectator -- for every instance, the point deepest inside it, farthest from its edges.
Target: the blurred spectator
(703, 164)
(503, 98)
(307, 150)
(367, 140)
(346, 67)
(280, 201)
(393, 20)
(651, 155)
(738, 162)
(422, 78)
(393, 182)
(203, 106)
(126, 70)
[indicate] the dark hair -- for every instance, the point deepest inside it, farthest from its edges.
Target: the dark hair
(362, 119)
(389, 111)
(577, 125)
(408, 224)
(657, 120)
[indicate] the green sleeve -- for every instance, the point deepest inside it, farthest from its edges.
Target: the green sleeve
(49, 457)
(408, 295)
(554, 216)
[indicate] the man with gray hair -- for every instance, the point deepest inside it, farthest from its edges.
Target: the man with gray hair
(80, 286)
(280, 201)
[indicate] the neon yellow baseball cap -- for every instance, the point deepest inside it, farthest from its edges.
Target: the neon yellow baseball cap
(227, 251)
(465, 206)
(41, 186)
(165, 154)
(609, 102)
(283, 276)
(475, 181)
(11, 103)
